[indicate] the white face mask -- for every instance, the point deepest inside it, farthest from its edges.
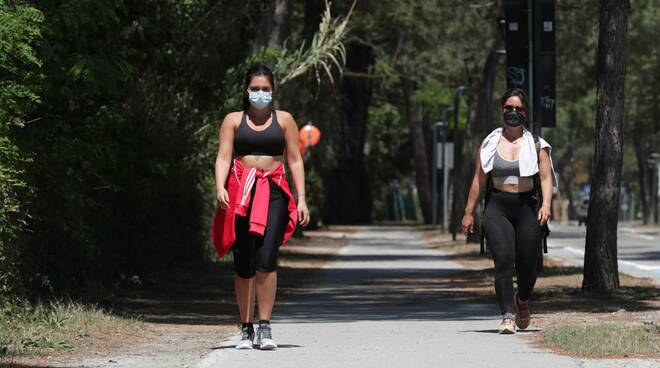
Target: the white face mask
(260, 99)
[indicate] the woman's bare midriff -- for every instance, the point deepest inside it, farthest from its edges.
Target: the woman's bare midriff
(261, 162)
(514, 188)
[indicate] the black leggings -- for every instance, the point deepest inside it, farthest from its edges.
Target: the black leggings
(514, 238)
(259, 253)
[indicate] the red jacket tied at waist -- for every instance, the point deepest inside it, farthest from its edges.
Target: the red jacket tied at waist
(239, 187)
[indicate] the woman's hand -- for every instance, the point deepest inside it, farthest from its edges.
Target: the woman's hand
(544, 215)
(223, 198)
(303, 213)
(467, 224)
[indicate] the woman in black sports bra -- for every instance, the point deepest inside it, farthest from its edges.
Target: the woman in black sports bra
(256, 210)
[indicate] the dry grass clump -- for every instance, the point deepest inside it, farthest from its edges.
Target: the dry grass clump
(63, 325)
(606, 338)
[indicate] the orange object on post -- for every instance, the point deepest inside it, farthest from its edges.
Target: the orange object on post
(309, 136)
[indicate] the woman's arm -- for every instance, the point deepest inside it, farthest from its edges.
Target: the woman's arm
(223, 159)
(478, 183)
(545, 171)
(295, 162)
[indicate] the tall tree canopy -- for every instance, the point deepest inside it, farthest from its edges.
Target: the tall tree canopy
(109, 112)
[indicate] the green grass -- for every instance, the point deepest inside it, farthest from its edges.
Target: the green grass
(38, 329)
(606, 338)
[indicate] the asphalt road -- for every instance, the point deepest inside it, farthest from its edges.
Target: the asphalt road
(638, 250)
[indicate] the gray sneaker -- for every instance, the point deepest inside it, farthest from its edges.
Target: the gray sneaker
(246, 340)
(265, 338)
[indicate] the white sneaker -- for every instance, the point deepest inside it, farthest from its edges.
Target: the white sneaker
(265, 338)
(508, 326)
(245, 341)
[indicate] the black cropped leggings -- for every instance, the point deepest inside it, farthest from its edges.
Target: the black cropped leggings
(514, 234)
(254, 253)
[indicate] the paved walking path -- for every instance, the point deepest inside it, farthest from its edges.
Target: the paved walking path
(384, 303)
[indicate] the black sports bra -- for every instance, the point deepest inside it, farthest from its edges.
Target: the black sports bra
(267, 142)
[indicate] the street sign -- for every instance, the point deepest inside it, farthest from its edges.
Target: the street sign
(447, 157)
(517, 43)
(530, 56)
(543, 29)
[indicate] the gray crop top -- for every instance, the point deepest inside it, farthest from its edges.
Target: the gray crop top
(507, 172)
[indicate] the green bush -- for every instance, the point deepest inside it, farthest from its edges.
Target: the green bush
(20, 27)
(131, 97)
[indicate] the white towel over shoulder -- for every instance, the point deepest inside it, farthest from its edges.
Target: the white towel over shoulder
(527, 157)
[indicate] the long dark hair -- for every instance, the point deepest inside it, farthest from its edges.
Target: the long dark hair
(518, 93)
(254, 71)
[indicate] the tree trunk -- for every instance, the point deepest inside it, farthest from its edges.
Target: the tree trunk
(273, 26)
(600, 259)
(350, 200)
(279, 24)
(413, 118)
(313, 14)
(476, 130)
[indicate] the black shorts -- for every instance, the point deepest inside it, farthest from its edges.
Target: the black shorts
(254, 253)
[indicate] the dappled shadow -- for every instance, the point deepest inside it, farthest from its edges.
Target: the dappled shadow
(641, 256)
(559, 297)
(337, 295)
(367, 257)
(549, 298)
(573, 299)
(550, 271)
(203, 293)
(346, 294)
(196, 294)
(279, 346)
(365, 288)
(490, 331)
(9, 363)
(474, 255)
(556, 234)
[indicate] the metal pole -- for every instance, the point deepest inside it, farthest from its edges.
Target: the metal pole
(653, 162)
(434, 175)
(457, 161)
(488, 78)
(445, 190)
(445, 176)
(488, 98)
(654, 193)
(657, 188)
(445, 168)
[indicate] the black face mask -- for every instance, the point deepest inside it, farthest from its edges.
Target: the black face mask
(513, 118)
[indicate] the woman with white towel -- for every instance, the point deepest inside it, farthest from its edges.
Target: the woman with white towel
(509, 161)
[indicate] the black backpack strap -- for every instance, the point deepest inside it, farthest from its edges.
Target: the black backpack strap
(539, 194)
(537, 145)
(489, 187)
